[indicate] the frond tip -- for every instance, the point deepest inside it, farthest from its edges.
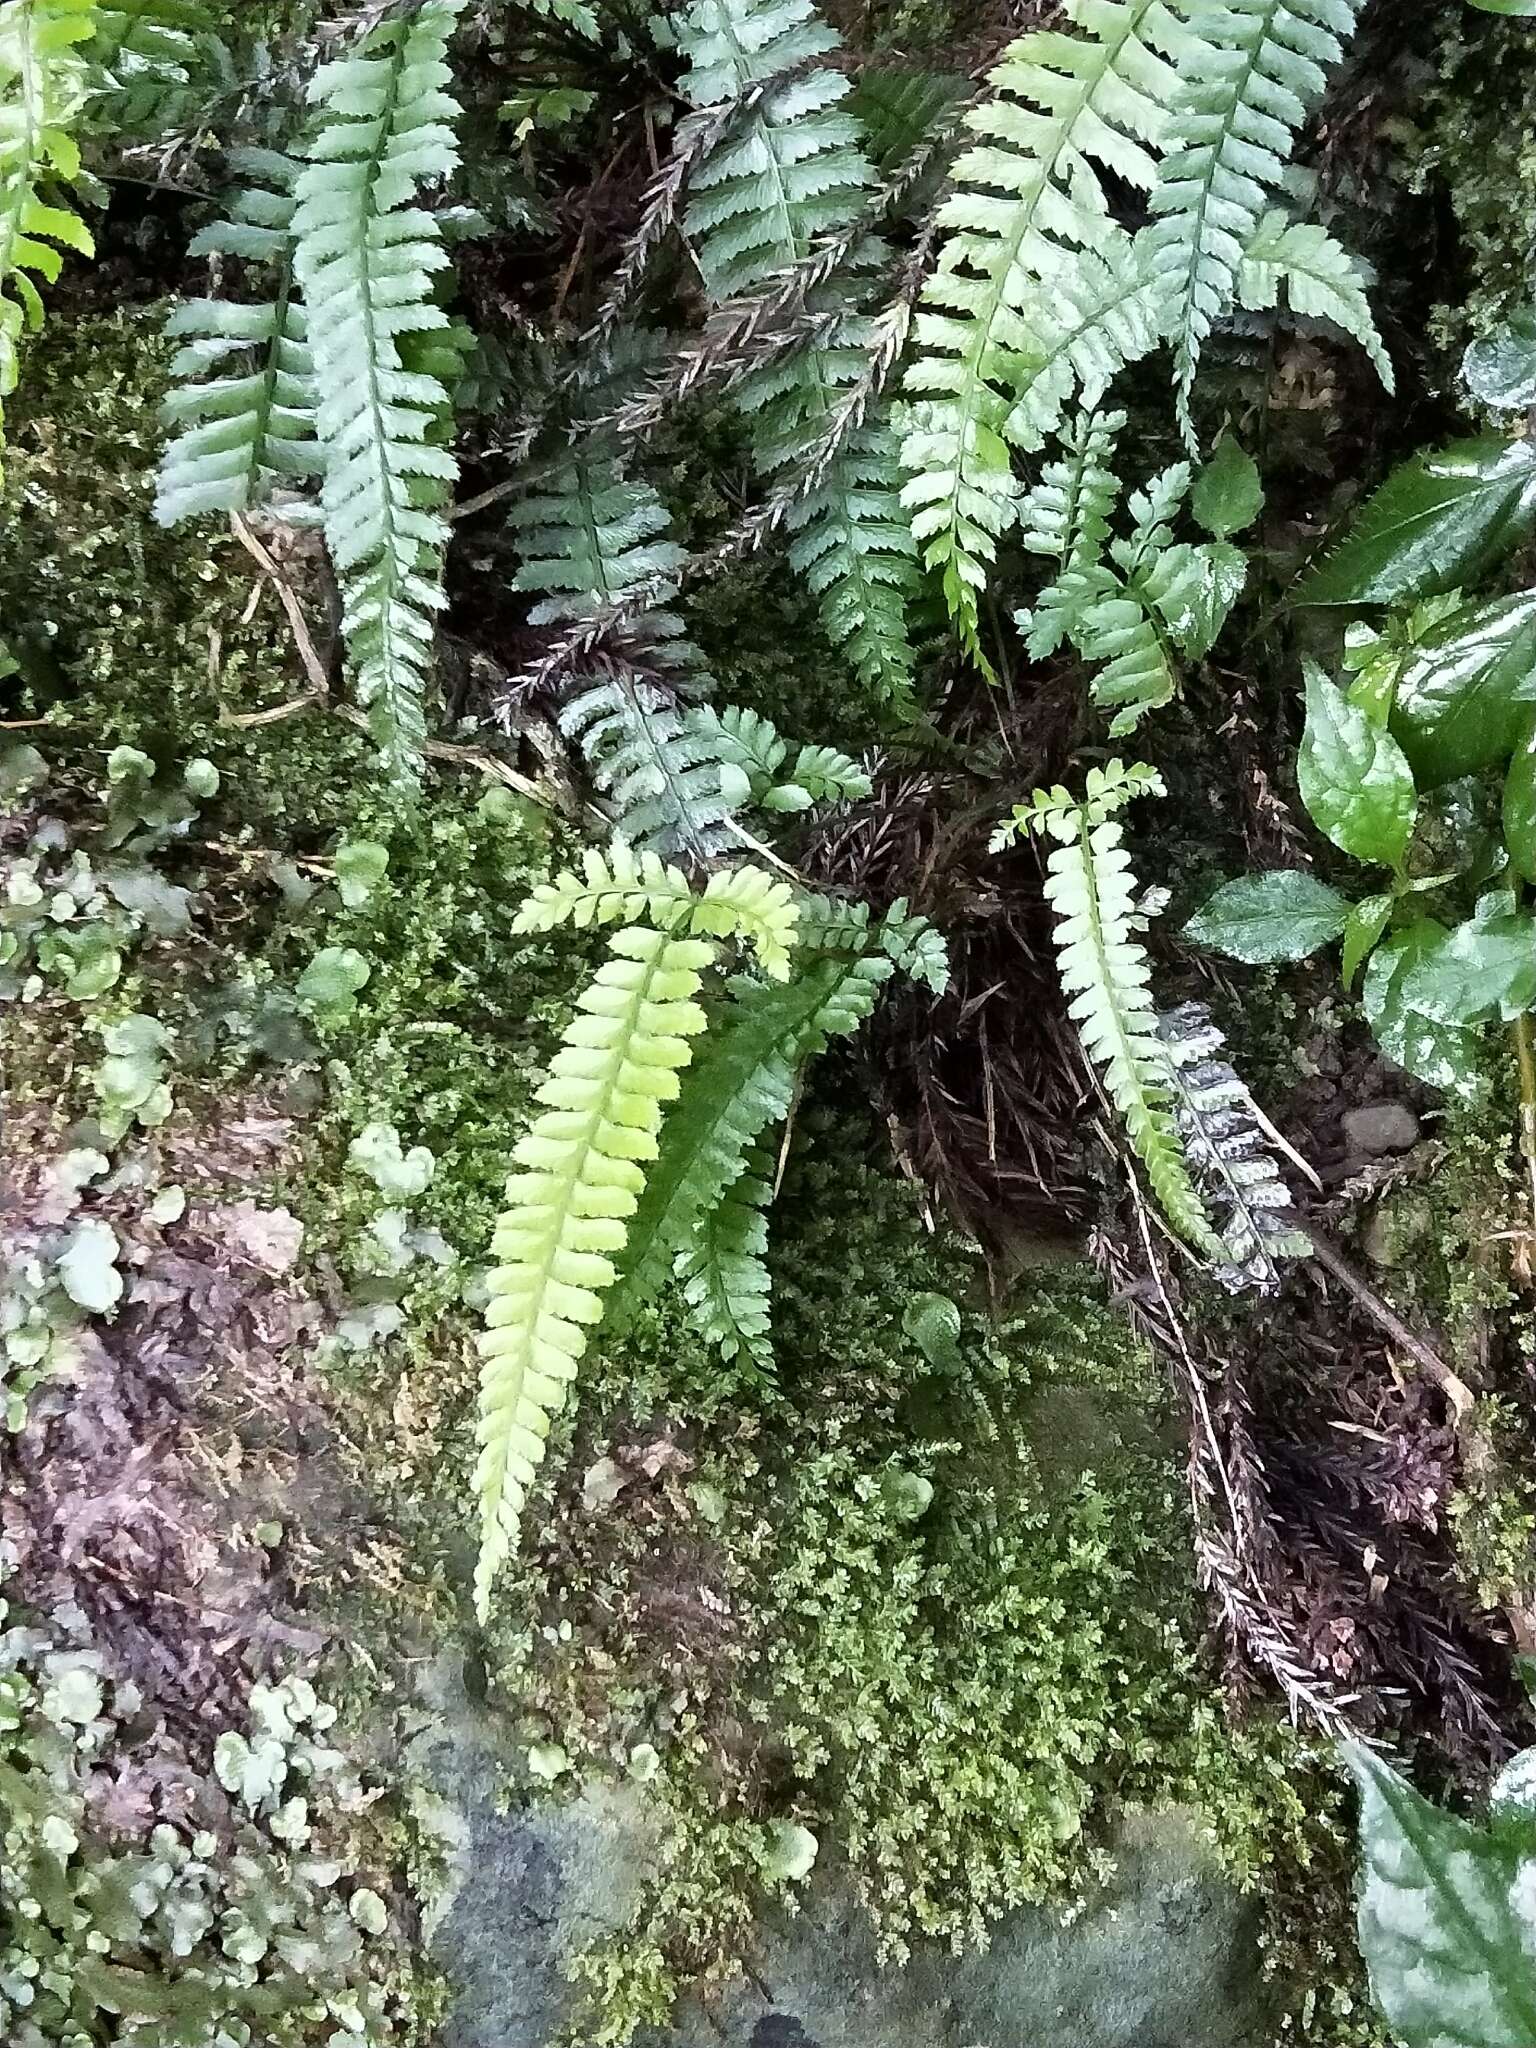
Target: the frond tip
(568, 1210)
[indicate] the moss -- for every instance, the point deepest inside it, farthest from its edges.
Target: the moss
(1474, 134)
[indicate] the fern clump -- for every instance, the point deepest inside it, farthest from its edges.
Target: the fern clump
(1106, 978)
(44, 86)
(242, 434)
(568, 1212)
(366, 257)
(1134, 605)
(788, 168)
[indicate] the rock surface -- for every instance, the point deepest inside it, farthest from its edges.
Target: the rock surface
(1163, 1958)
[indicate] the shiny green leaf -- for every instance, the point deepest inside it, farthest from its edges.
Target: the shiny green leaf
(1464, 690)
(1520, 806)
(1446, 1924)
(1500, 370)
(1228, 494)
(1284, 915)
(1443, 1056)
(1353, 776)
(1367, 922)
(1443, 518)
(1487, 963)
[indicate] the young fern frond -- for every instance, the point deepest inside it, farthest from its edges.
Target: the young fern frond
(244, 431)
(1263, 68)
(43, 92)
(366, 258)
(1106, 978)
(790, 169)
(1321, 280)
(1029, 202)
(741, 1085)
(724, 1271)
(568, 1210)
(624, 887)
(1067, 513)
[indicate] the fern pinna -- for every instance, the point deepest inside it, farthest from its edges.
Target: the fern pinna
(242, 432)
(790, 168)
(43, 92)
(583, 1161)
(366, 256)
(1106, 977)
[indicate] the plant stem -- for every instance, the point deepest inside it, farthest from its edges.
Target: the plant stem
(1526, 1060)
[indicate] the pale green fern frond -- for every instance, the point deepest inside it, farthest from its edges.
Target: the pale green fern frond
(247, 428)
(1029, 199)
(724, 1272)
(1067, 513)
(367, 258)
(750, 744)
(623, 886)
(1107, 981)
(790, 168)
(568, 1210)
(1322, 282)
(1262, 68)
(43, 91)
(742, 1084)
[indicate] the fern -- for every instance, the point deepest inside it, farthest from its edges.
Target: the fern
(1138, 604)
(743, 1084)
(662, 779)
(623, 887)
(748, 744)
(724, 1272)
(790, 168)
(366, 257)
(1322, 282)
(1228, 1150)
(241, 433)
(1029, 204)
(43, 89)
(1264, 66)
(153, 62)
(568, 1210)
(1106, 978)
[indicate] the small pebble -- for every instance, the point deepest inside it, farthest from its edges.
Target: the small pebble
(1381, 1127)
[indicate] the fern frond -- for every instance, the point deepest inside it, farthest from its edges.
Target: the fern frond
(741, 1085)
(149, 59)
(750, 744)
(724, 1272)
(589, 539)
(366, 258)
(1107, 981)
(1263, 67)
(789, 169)
(1322, 282)
(1029, 201)
(623, 887)
(568, 1210)
(915, 945)
(1229, 1152)
(241, 433)
(43, 90)
(1066, 514)
(661, 776)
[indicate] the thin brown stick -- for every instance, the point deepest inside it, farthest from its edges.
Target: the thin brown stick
(1332, 1260)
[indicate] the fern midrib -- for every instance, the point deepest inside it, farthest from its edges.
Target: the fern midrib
(1216, 157)
(1125, 1054)
(644, 731)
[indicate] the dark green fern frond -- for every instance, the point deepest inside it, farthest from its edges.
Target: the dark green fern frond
(790, 169)
(660, 774)
(246, 430)
(1029, 203)
(724, 1272)
(1263, 67)
(367, 258)
(153, 64)
(741, 1085)
(43, 90)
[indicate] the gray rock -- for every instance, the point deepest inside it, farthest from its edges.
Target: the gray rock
(1380, 1128)
(1165, 1957)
